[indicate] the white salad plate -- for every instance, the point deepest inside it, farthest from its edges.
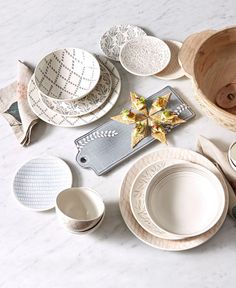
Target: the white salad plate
(145, 56)
(87, 104)
(137, 229)
(54, 118)
(67, 74)
(112, 41)
(138, 197)
(38, 182)
(173, 70)
(185, 199)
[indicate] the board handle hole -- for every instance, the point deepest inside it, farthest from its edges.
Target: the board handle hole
(83, 160)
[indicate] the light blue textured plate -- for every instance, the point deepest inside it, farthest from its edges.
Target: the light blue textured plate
(38, 182)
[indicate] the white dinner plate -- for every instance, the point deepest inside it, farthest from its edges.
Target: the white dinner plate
(137, 229)
(38, 182)
(87, 104)
(185, 199)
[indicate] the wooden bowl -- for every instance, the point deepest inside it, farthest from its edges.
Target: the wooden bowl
(213, 69)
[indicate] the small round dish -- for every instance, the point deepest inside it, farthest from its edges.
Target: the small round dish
(67, 74)
(145, 56)
(79, 209)
(112, 41)
(87, 104)
(232, 155)
(173, 70)
(38, 182)
(185, 199)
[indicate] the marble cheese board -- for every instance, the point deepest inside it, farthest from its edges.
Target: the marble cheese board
(109, 144)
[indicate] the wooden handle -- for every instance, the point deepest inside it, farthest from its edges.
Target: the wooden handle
(189, 49)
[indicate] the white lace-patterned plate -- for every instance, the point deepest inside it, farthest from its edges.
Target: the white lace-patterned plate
(69, 73)
(38, 182)
(133, 225)
(173, 70)
(88, 103)
(137, 199)
(112, 41)
(145, 56)
(51, 117)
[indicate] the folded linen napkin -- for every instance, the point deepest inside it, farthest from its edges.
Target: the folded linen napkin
(220, 159)
(14, 105)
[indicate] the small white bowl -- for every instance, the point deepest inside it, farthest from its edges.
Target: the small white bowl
(79, 209)
(67, 74)
(232, 155)
(185, 199)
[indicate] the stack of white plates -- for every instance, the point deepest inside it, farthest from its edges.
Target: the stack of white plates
(174, 199)
(71, 87)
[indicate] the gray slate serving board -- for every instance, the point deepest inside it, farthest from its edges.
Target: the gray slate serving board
(109, 144)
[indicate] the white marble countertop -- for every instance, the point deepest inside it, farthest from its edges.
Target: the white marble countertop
(35, 250)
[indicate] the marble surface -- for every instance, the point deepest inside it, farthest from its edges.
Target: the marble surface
(35, 250)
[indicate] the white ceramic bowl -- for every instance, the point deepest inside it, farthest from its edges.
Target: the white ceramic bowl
(185, 199)
(67, 74)
(145, 56)
(79, 209)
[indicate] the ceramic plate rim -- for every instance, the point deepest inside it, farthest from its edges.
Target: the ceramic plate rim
(166, 78)
(167, 163)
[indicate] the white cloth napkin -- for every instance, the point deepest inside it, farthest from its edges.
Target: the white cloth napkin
(14, 105)
(220, 159)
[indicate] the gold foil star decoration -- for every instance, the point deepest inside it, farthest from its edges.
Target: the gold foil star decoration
(156, 119)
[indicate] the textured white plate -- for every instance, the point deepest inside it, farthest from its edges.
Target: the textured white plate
(112, 41)
(138, 196)
(133, 225)
(67, 74)
(173, 70)
(185, 199)
(87, 104)
(145, 56)
(38, 182)
(51, 117)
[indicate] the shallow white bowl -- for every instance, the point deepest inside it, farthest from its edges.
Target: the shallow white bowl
(67, 74)
(145, 56)
(185, 199)
(79, 209)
